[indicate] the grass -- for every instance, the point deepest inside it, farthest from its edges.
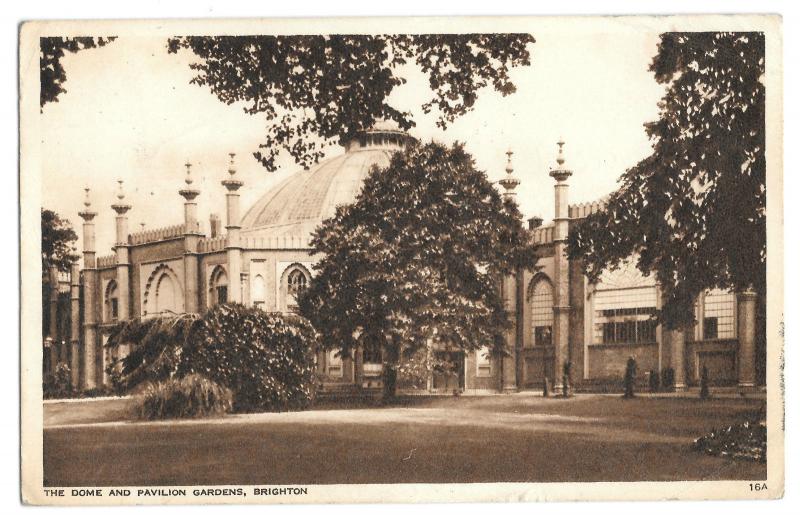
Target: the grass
(471, 439)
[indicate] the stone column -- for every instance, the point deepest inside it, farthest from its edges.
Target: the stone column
(677, 348)
(88, 380)
(519, 344)
(509, 366)
(52, 329)
(233, 228)
(561, 306)
(75, 323)
(191, 235)
(746, 333)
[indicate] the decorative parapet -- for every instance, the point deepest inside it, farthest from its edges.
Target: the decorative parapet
(286, 242)
(107, 261)
(581, 210)
(63, 277)
(543, 235)
(158, 234)
(212, 244)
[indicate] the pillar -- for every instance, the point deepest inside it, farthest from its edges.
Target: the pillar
(191, 235)
(677, 349)
(121, 247)
(746, 333)
(233, 227)
(52, 329)
(509, 365)
(75, 323)
(561, 305)
(87, 378)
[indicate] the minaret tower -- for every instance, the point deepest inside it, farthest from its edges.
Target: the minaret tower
(233, 227)
(88, 380)
(561, 306)
(191, 235)
(122, 249)
(511, 286)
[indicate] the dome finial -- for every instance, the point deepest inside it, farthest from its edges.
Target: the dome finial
(189, 180)
(509, 166)
(232, 166)
(121, 193)
(560, 156)
(87, 202)
(560, 173)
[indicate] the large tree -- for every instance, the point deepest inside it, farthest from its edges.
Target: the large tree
(321, 89)
(415, 260)
(58, 242)
(51, 72)
(694, 210)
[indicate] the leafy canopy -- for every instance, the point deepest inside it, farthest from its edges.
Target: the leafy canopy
(58, 242)
(51, 73)
(315, 90)
(694, 211)
(415, 259)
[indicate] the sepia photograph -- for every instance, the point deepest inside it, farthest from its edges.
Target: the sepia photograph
(298, 260)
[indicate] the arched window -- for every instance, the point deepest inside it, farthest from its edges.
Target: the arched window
(296, 281)
(541, 299)
(258, 291)
(111, 313)
(218, 288)
(166, 302)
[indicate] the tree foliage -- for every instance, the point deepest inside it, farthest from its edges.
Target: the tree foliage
(319, 89)
(264, 358)
(58, 242)
(693, 211)
(414, 260)
(51, 72)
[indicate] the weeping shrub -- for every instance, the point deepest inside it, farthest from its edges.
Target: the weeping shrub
(58, 384)
(265, 359)
(188, 397)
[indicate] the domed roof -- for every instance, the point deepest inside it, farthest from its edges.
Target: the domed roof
(295, 207)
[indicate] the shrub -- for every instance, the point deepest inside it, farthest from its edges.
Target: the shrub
(655, 381)
(668, 378)
(58, 383)
(188, 397)
(265, 359)
(630, 377)
(566, 379)
(704, 394)
(745, 441)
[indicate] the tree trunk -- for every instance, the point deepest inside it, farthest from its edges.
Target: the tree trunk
(391, 357)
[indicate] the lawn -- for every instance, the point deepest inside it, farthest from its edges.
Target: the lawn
(514, 438)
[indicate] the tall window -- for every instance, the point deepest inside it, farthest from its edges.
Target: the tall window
(541, 298)
(218, 292)
(166, 300)
(258, 291)
(719, 315)
(296, 282)
(112, 302)
(624, 315)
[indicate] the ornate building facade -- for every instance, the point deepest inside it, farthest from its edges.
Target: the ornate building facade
(262, 258)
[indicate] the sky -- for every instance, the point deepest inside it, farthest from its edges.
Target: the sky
(131, 113)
